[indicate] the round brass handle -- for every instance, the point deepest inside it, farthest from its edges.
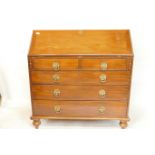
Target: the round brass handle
(103, 77)
(56, 66)
(56, 77)
(57, 108)
(101, 109)
(104, 66)
(102, 93)
(56, 92)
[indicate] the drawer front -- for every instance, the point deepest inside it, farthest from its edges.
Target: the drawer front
(54, 64)
(60, 92)
(80, 109)
(80, 64)
(81, 77)
(103, 64)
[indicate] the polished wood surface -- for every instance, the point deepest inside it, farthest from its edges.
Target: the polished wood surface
(46, 64)
(80, 109)
(95, 64)
(82, 64)
(88, 77)
(79, 92)
(77, 42)
(82, 75)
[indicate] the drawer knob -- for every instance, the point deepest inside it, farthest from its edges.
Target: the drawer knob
(56, 77)
(101, 109)
(104, 66)
(103, 77)
(102, 93)
(57, 108)
(56, 66)
(56, 92)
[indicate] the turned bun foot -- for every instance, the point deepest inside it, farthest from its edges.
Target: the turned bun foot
(36, 123)
(123, 124)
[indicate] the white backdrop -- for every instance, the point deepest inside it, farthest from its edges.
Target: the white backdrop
(18, 18)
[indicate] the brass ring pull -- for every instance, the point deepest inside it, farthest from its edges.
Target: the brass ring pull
(103, 77)
(56, 66)
(101, 109)
(57, 108)
(104, 66)
(55, 77)
(56, 92)
(102, 93)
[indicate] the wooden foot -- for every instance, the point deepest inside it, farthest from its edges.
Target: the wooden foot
(36, 123)
(123, 124)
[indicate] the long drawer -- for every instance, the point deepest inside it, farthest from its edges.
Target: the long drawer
(60, 92)
(81, 77)
(96, 109)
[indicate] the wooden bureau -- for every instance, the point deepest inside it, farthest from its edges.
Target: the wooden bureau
(80, 74)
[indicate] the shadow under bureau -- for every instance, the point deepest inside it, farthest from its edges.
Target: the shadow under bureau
(80, 75)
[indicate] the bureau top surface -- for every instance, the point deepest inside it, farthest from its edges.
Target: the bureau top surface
(80, 42)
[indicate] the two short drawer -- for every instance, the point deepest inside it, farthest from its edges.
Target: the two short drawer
(79, 64)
